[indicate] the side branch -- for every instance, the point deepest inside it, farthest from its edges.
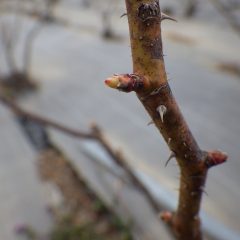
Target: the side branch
(95, 134)
(43, 121)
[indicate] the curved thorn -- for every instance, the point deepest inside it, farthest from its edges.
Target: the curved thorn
(150, 123)
(172, 155)
(167, 17)
(204, 191)
(124, 14)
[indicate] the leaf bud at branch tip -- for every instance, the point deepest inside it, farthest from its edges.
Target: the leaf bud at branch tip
(215, 158)
(125, 82)
(166, 216)
(112, 82)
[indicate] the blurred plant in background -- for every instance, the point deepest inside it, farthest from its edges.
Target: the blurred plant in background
(16, 39)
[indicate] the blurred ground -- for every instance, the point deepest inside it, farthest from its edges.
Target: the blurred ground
(82, 214)
(71, 63)
(22, 196)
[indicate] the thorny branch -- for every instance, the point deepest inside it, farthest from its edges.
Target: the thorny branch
(149, 81)
(95, 134)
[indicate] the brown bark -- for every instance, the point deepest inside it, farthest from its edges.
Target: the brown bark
(149, 81)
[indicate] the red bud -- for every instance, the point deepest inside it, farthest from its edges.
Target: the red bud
(215, 158)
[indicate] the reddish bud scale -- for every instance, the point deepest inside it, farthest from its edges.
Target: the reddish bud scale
(215, 158)
(166, 216)
(125, 82)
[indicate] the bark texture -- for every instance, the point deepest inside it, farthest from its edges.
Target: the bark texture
(149, 81)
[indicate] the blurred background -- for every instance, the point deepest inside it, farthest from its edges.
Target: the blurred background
(54, 57)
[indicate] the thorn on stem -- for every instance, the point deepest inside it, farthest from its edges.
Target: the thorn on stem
(124, 14)
(167, 17)
(172, 155)
(162, 110)
(150, 123)
(203, 190)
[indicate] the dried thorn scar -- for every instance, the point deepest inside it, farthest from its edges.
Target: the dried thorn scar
(157, 90)
(148, 11)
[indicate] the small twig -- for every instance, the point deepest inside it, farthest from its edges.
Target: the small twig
(28, 46)
(122, 162)
(110, 170)
(94, 134)
(73, 132)
(43, 121)
(8, 46)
